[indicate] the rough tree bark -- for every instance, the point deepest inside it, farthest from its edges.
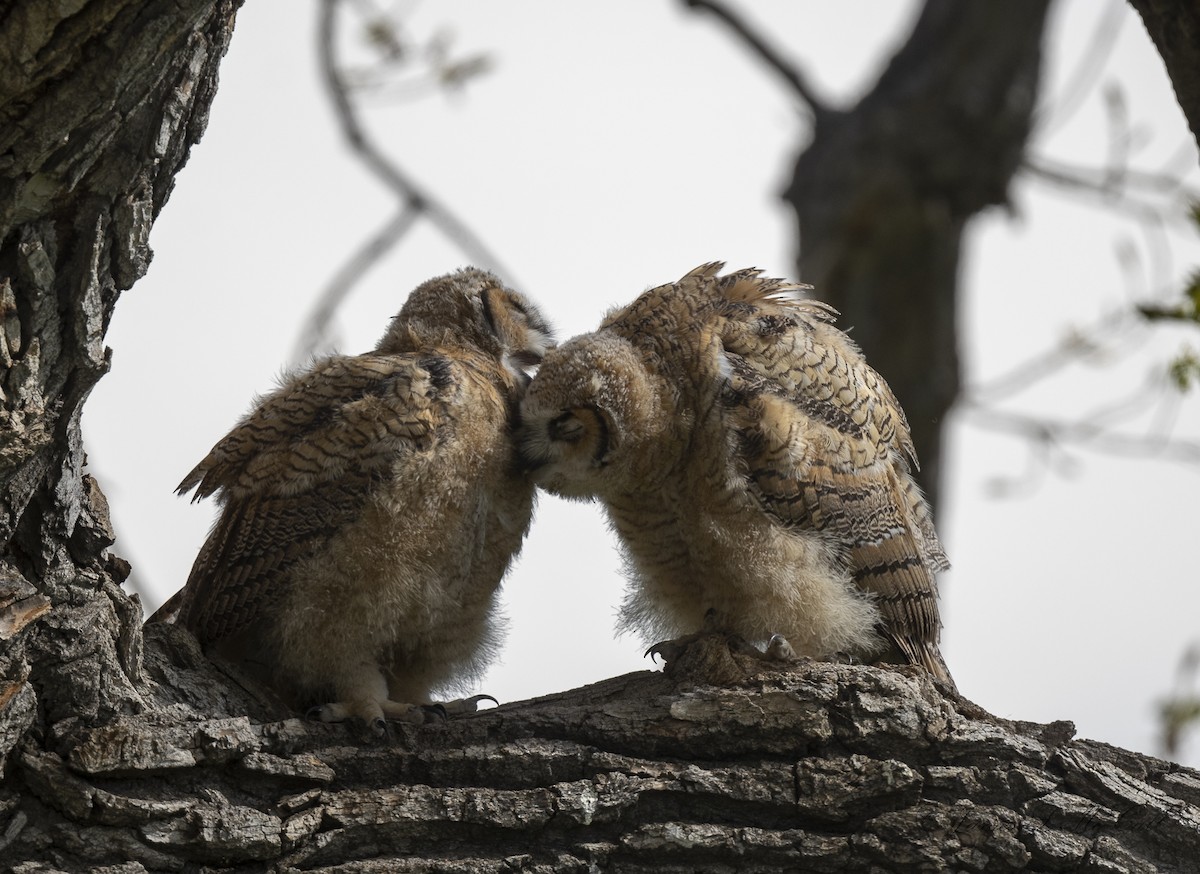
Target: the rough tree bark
(100, 101)
(127, 753)
(711, 766)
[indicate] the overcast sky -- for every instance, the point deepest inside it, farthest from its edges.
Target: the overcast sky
(612, 147)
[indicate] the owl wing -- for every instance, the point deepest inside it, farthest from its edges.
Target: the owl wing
(299, 468)
(825, 446)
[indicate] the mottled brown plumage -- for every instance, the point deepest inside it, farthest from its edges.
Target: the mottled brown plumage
(370, 507)
(752, 464)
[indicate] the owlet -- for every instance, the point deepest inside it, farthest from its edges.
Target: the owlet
(370, 507)
(754, 467)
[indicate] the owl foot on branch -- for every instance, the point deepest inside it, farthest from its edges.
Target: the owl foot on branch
(378, 713)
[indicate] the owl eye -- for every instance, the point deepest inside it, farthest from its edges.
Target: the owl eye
(585, 426)
(566, 428)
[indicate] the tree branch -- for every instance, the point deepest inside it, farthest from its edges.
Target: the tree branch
(415, 201)
(1086, 73)
(788, 70)
(316, 330)
(1080, 344)
(719, 763)
(1088, 432)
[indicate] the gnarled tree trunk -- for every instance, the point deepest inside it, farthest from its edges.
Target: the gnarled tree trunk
(885, 190)
(100, 101)
(140, 754)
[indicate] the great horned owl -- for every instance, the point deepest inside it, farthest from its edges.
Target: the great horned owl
(753, 465)
(370, 507)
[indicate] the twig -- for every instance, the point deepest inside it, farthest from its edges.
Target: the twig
(1076, 180)
(1165, 183)
(1100, 47)
(1152, 218)
(789, 71)
(415, 201)
(1089, 435)
(1046, 364)
(316, 328)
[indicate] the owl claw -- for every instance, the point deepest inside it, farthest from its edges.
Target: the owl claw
(669, 650)
(664, 649)
(778, 649)
(434, 712)
(376, 714)
(459, 706)
(473, 702)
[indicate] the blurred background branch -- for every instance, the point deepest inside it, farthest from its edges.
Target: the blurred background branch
(389, 73)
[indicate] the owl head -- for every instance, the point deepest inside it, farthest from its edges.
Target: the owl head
(471, 307)
(594, 419)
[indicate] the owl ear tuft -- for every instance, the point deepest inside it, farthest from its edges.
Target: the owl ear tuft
(500, 318)
(523, 334)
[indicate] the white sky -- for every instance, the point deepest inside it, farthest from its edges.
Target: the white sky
(612, 148)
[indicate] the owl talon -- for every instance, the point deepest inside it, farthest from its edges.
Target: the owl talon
(468, 705)
(460, 706)
(434, 713)
(670, 650)
(667, 650)
(332, 712)
(376, 714)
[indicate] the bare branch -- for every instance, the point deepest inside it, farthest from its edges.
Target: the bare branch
(316, 331)
(789, 71)
(1087, 73)
(1114, 338)
(1168, 184)
(1094, 431)
(1076, 346)
(1095, 438)
(1103, 186)
(414, 200)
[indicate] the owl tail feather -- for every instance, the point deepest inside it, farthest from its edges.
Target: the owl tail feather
(924, 653)
(932, 661)
(930, 658)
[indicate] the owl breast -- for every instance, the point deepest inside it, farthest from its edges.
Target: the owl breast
(687, 555)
